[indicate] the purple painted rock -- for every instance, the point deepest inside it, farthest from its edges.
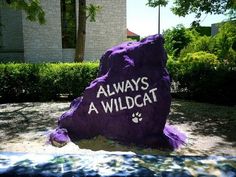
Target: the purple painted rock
(130, 99)
(59, 137)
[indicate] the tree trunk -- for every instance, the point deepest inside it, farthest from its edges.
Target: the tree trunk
(80, 41)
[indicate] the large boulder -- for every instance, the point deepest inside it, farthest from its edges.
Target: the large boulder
(130, 99)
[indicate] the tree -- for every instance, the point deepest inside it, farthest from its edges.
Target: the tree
(91, 10)
(32, 8)
(222, 44)
(185, 7)
(155, 3)
(176, 39)
(35, 12)
(80, 41)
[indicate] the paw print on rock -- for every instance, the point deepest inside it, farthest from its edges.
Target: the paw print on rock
(136, 117)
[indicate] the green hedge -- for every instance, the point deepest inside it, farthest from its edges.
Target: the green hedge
(200, 76)
(44, 82)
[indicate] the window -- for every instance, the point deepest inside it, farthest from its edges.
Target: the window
(0, 29)
(68, 23)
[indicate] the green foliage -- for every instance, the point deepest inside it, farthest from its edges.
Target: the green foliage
(44, 82)
(205, 68)
(202, 43)
(221, 44)
(32, 8)
(198, 7)
(183, 8)
(224, 40)
(199, 60)
(232, 14)
(176, 39)
(92, 11)
(155, 3)
(200, 76)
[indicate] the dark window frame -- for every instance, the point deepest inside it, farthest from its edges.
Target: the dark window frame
(68, 23)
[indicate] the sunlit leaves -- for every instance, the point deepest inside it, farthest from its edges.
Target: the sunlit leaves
(33, 9)
(176, 39)
(185, 7)
(92, 11)
(155, 3)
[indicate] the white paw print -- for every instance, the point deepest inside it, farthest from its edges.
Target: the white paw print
(136, 117)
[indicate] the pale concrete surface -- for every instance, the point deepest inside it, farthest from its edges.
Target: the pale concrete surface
(24, 127)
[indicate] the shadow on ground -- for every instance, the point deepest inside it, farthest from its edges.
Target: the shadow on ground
(21, 118)
(207, 119)
(203, 119)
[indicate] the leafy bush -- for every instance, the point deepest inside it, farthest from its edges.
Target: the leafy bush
(221, 44)
(200, 76)
(177, 38)
(202, 43)
(224, 41)
(44, 82)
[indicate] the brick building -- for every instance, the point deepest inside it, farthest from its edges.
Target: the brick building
(55, 41)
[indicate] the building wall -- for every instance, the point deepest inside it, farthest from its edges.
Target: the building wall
(11, 40)
(42, 43)
(108, 30)
(214, 29)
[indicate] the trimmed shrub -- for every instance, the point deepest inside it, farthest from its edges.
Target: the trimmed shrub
(202, 43)
(222, 44)
(44, 82)
(176, 39)
(200, 76)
